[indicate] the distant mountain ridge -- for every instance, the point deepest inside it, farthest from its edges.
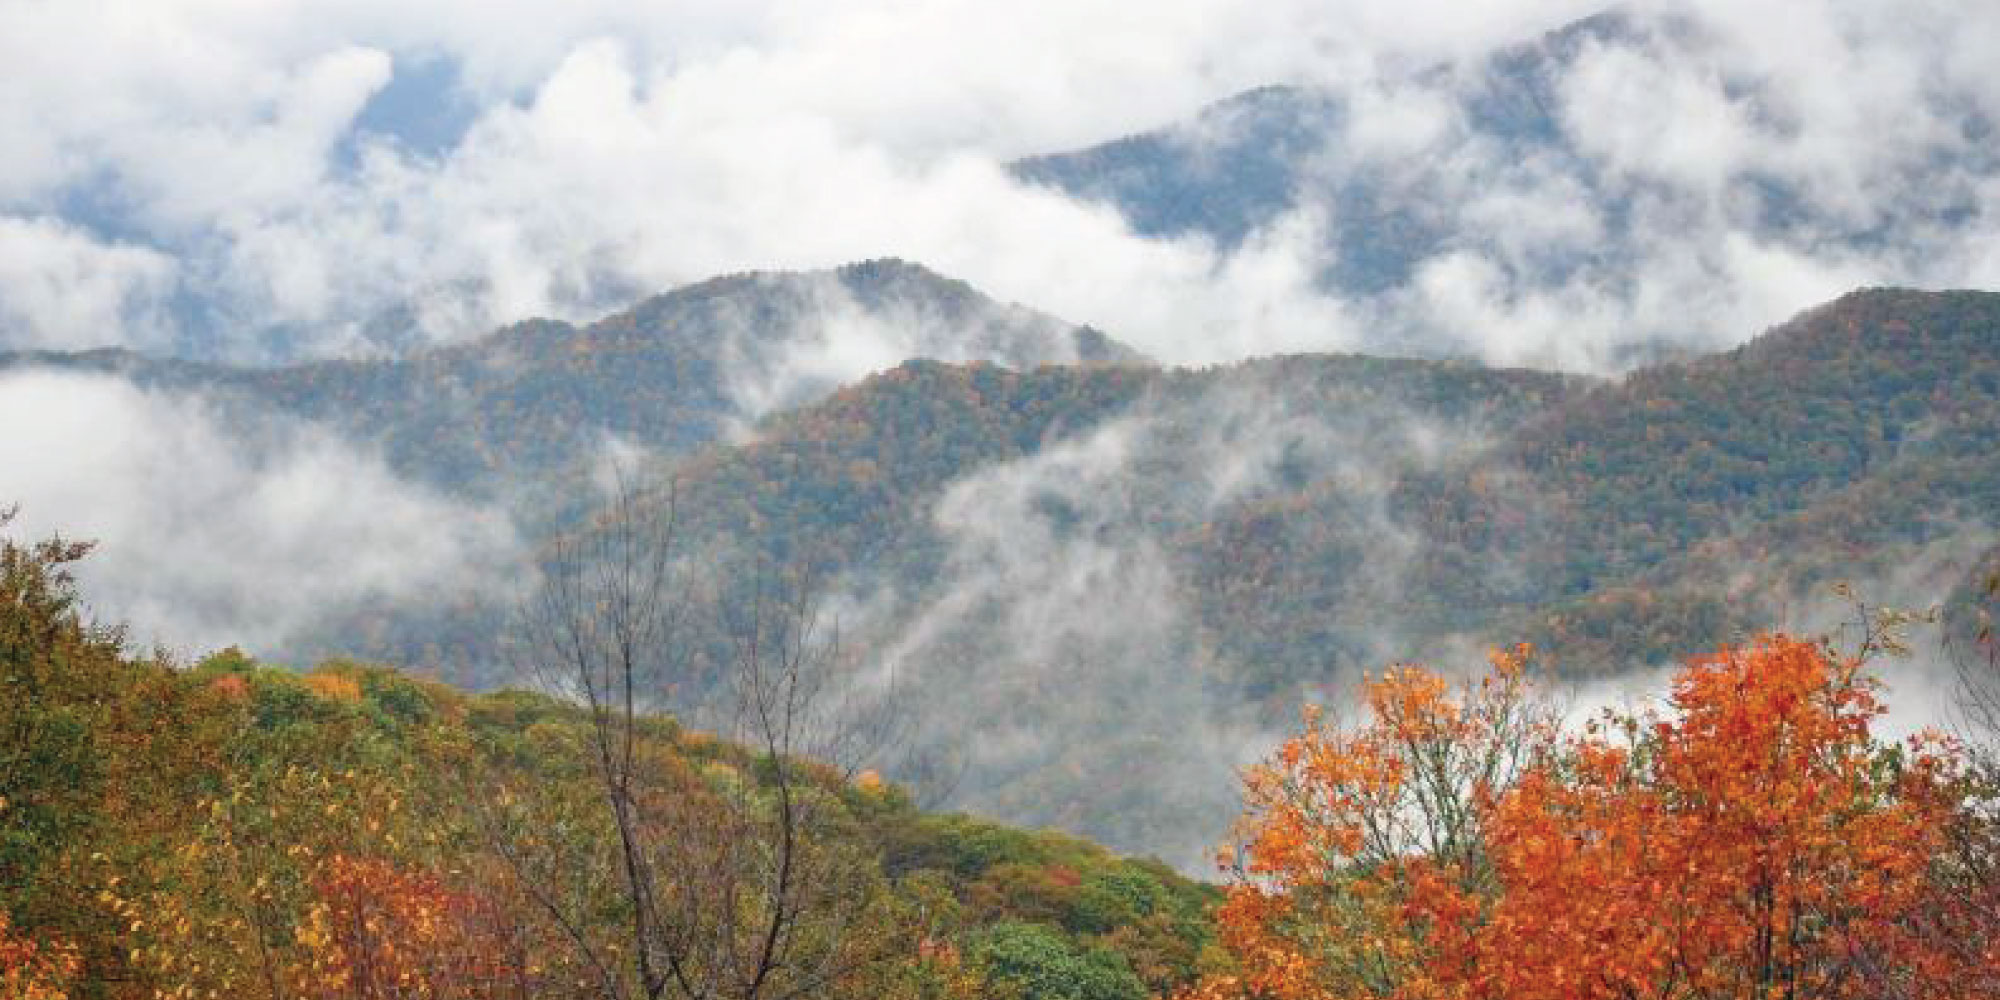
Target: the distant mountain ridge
(1492, 186)
(1659, 515)
(1040, 552)
(1036, 549)
(672, 373)
(1243, 161)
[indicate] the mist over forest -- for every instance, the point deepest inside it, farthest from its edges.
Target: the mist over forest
(1063, 502)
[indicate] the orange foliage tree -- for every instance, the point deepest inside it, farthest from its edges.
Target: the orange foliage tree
(1758, 842)
(1350, 832)
(32, 970)
(377, 931)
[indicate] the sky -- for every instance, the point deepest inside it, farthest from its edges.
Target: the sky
(265, 180)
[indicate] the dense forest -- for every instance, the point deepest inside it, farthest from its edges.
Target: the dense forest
(1375, 510)
(1055, 542)
(223, 828)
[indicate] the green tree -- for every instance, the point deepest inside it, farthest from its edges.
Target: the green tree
(1041, 964)
(57, 673)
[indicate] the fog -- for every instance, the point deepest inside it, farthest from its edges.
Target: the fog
(211, 535)
(281, 180)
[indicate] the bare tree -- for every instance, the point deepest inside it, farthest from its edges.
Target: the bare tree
(1974, 649)
(733, 881)
(1963, 917)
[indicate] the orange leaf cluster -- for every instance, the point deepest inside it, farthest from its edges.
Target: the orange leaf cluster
(379, 932)
(31, 970)
(1764, 846)
(1363, 847)
(334, 687)
(1758, 843)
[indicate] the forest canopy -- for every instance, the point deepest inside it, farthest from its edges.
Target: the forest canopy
(223, 828)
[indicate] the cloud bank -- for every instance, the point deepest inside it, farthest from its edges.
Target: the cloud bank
(272, 180)
(1719, 166)
(211, 532)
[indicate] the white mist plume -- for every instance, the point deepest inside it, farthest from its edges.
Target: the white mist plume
(1060, 653)
(210, 533)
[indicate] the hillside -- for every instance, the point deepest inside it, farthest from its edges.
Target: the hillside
(1657, 516)
(1032, 551)
(540, 400)
(226, 828)
(1496, 178)
(1038, 552)
(1012, 544)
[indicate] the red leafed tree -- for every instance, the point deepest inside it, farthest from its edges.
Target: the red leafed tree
(1757, 842)
(32, 970)
(1350, 831)
(379, 932)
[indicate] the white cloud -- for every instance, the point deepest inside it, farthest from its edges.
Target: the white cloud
(59, 288)
(1654, 118)
(1066, 598)
(215, 529)
(1708, 184)
(621, 148)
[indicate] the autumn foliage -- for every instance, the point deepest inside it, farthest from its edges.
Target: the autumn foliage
(376, 931)
(1754, 841)
(229, 830)
(226, 829)
(32, 970)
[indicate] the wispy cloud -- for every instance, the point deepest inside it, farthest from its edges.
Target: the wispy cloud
(596, 150)
(214, 529)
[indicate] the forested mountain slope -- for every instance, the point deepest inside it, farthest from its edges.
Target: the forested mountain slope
(1880, 406)
(229, 829)
(839, 480)
(1039, 552)
(1830, 446)
(1031, 551)
(677, 371)
(1515, 180)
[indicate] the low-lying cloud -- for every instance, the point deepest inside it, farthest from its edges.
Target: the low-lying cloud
(273, 181)
(215, 529)
(1059, 655)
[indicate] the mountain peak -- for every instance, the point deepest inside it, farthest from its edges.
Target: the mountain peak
(1876, 318)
